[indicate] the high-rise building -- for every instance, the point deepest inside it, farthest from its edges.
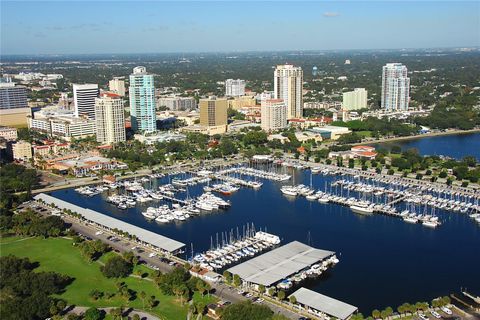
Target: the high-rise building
(109, 118)
(315, 71)
(177, 103)
(142, 101)
(395, 87)
(117, 85)
(356, 99)
(13, 104)
(12, 96)
(84, 99)
(288, 85)
(273, 115)
(234, 88)
(213, 112)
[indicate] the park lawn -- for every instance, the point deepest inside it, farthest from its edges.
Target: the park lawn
(364, 134)
(58, 254)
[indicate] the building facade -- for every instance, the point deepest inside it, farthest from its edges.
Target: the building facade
(142, 101)
(84, 99)
(176, 103)
(213, 112)
(273, 115)
(288, 86)
(117, 85)
(234, 88)
(242, 102)
(13, 104)
(356, 99)
(8, 133)
(395, 87)
(109, 119)
(22, 150)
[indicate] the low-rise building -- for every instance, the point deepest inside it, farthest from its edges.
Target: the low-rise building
(50, 149)
(22, 151)
(8, 133)
(241, 102)
(84, 166)
(208, 130)
(331, 132)
(363, 152)
(238, 125)
(150, 139)
(304, 123)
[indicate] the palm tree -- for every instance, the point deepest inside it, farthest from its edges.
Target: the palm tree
(376, 314)
(143, 295)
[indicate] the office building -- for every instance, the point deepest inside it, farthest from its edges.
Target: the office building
(176, 103)
(395, 87)
(274, 115)
(8, 133)
(109, 118)
(117, 85)
(84, 99)
(13, 104)
(213, 112)
(142, 101)
(288, 86)
(242, 102)
(61, 123)
(356, 99)
(234, 88)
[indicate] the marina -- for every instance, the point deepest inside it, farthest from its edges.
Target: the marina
(324, 219)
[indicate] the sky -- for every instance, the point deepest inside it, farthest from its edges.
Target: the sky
(86, 27)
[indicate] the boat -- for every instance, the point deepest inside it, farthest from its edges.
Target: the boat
(362, 208)
(289, 191)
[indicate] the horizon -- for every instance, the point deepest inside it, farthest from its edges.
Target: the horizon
(87, 28)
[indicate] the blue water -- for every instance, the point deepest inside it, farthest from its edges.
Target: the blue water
(454, 146)
(383, 260)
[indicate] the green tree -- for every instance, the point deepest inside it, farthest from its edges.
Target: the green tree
(281, 295)
(292, 299)
(376, 314)
(117, 267)
(93, 314)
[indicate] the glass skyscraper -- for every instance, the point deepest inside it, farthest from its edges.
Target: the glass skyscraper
(142, 101)
(395, 87)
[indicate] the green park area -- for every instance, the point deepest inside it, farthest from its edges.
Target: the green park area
(61, 256)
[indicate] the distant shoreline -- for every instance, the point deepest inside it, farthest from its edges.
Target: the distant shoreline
(420, 136)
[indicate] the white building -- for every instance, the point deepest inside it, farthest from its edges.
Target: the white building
(117, 85)
(234, 88)
(62, 124)
(265, 95)
(22, 150)
(274, 115)
(84, 99)
(288, 86)
(356, 99)
(109, 119)
(395, 87)
(176, 103)
(8, 133)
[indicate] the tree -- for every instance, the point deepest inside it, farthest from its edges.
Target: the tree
(117, 267)
(228, 276)
(271, 291)
(246, 311)
(261, 289)
(236, 280)
(292, 299)
(281, 295)
(143, 295)
(93, 314)
(376, 314)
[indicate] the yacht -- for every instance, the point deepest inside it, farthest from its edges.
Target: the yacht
(362, 208)
(289, 191)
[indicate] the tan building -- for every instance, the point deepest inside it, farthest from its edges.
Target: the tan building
(288, 86)
(22, 150)
(208, 130)
(110, 118)
(213, 112)
(117, 85)
(356, 99)
(242, 102)
(274, 115)
(8, 133)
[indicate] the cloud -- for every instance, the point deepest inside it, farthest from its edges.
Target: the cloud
(331, 14)
(155, 28)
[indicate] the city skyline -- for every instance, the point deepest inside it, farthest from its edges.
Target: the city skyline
(48, 27)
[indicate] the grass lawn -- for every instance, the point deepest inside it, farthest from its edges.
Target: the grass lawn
(364, 134)
(58, 254)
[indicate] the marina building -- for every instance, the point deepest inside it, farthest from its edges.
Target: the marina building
(356, 99)
(84, 99)
(395, 87)
(234, 88)
(117, 85)
(142, 100)
(273, 115)
(177, 103)
(274, 266)
(288, 86)
(150, 239)
(320, 305)
(109, 119)
(13, 104)
(213, 112)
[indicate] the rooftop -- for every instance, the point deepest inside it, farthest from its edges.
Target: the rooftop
(320, 302)
(149, 237)
(279, 263)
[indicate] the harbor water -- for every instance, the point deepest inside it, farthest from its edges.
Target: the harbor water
(383, 260)
(454, 146)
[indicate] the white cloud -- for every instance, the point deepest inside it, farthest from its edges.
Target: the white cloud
(331, 14)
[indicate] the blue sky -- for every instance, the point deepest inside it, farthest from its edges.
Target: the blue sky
(158, 26)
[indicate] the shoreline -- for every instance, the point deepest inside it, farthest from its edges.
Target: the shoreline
(419, 136)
